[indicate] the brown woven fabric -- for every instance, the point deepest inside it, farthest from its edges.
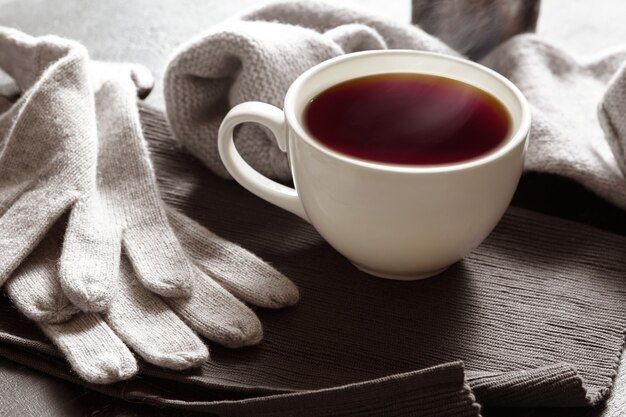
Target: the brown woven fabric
(536, 314)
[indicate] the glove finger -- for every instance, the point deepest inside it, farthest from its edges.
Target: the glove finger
(25, 223)
(158, 259)
(217, 315)
(89, 264)
(89, 345)
(93, 350)
(149, 327)
(239, 271)
(34, 288)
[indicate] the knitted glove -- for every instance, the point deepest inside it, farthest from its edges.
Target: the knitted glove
(124, 209)
(161, 331)
(48, 142)
(256, 58)
(74, 116)
(577, 109)
(120, 206)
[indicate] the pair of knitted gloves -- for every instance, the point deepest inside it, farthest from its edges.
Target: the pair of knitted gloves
(88, 250)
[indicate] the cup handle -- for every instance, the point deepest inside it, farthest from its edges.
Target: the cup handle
(272, 117)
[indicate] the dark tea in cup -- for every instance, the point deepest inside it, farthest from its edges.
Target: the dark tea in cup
(408, 119)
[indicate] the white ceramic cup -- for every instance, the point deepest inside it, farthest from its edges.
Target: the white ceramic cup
(392, 221)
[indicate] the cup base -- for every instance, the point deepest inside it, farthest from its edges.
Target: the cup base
(400, 277)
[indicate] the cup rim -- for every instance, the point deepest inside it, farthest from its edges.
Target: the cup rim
(518, 136)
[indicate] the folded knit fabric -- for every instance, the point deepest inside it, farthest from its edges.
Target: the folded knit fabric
(578, 110)
(257, 56)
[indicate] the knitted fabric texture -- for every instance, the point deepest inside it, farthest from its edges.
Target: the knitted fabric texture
(578, 107)
(257, 56)
(124, 211)
(204, 276)
(160, 331)
(48, 142)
